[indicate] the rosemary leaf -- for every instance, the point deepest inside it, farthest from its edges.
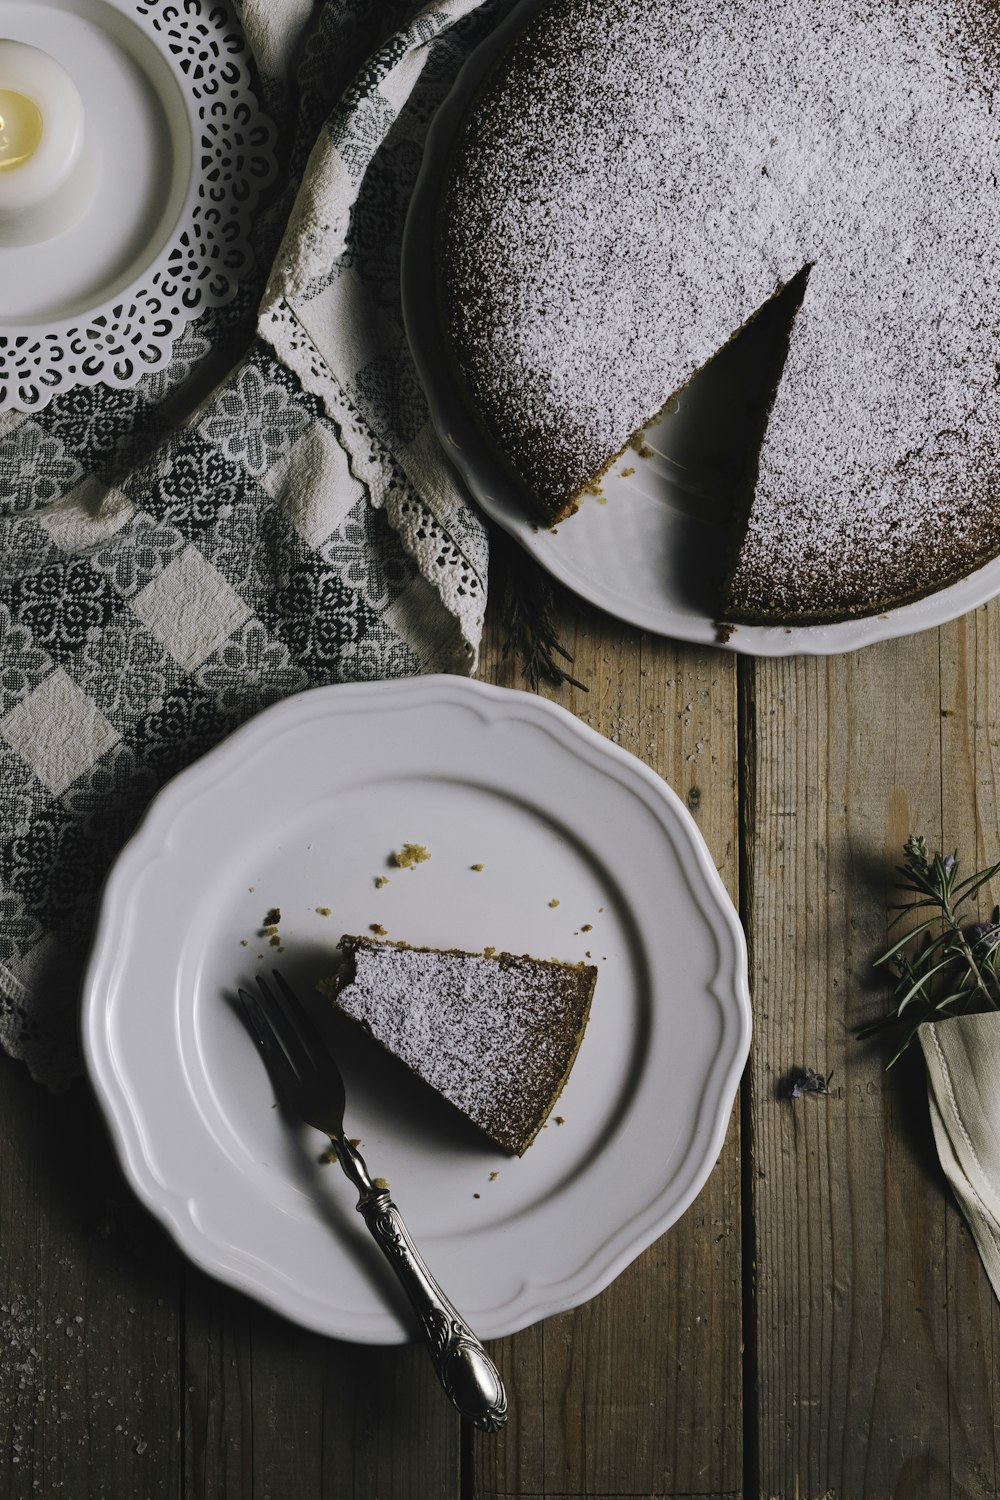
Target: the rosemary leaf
(974, 884)
(921, 984)
(945, 965)
(891, 953)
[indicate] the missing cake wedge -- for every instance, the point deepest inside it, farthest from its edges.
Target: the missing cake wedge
(495, 1034)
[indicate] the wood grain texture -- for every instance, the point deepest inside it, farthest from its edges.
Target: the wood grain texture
(89, 1324)
(865, 1273)
(639, 1391)
(827, 1231)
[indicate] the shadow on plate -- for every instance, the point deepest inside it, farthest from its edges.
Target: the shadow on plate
(707, 447)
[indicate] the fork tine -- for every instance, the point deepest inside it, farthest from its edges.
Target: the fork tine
(275, 1058)
(305, 1026)
(286, 1034)
(253, 1018)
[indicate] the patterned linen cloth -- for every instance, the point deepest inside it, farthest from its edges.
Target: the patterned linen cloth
(269, 512)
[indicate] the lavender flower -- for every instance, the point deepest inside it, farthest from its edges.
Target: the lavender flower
(802, 1081)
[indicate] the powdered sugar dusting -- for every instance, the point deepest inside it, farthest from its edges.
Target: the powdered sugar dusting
(494, 1035)
(639, 183)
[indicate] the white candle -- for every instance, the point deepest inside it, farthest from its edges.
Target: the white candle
(48, 165)
(20, 129)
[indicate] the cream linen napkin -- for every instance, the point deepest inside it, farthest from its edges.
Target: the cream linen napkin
(963, 1074)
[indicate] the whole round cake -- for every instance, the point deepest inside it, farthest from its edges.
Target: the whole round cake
(636, 179)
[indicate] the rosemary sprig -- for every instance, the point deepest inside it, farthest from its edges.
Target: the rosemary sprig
(945, 965)
(527, 616)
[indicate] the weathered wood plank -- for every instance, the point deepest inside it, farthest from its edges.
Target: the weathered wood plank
(639, 1391)
(274, 1410)
(861, 1391)
(113, 1384)
(89, 1353)
(218, 1390)
(387, 1427)
(970, 776)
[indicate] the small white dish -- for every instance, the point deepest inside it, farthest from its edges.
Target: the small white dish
(175, 156)
(49, 162)
(650, 547)
(583, 849)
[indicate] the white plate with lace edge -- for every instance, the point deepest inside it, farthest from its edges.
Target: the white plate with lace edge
(650, 546)
(583, 850)
(184, 152)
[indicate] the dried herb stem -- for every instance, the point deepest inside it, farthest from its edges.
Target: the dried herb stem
(945, 965)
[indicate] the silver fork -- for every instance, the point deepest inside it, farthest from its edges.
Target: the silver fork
(306, 1076)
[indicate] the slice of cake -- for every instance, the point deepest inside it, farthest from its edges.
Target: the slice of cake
(494, 1033)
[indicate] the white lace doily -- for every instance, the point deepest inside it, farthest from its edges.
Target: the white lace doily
(185, 153)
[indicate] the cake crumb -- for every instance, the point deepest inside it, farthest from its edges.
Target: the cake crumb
(273, 917)
(628, 471)
(494, 1176)
(377, 928)
(478, 867)
(380, 1182)
(380, 881)
(410, 855)
(554, 901)
(489, 951)
(476, 1195)
(560, 1119)
(275, 940)
(323, 911)
(587, 927)
(244, 942)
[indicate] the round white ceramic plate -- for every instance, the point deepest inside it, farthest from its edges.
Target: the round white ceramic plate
(649, 547)
(183, 155)
(584, 850)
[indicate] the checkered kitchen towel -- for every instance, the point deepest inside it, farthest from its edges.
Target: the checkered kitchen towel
(269, 512)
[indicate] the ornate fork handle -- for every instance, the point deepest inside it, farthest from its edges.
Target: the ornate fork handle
(470, 1378)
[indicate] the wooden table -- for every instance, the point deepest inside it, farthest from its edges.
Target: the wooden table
(818, 1325)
